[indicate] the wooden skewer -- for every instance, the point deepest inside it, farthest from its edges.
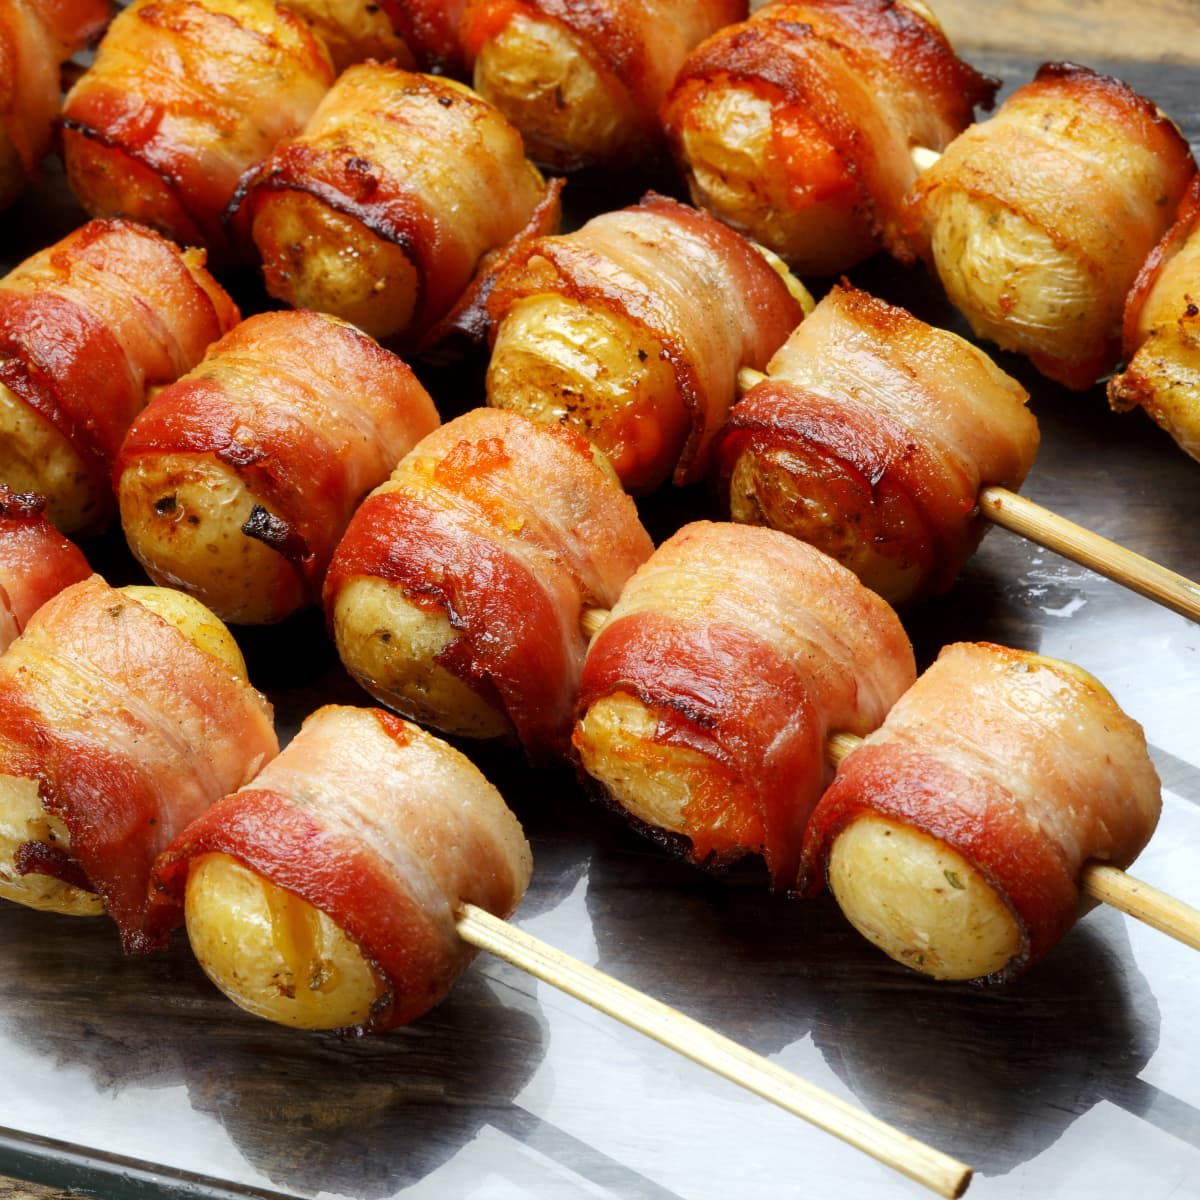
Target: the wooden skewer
(1101, 881)
(937, 1171)
(1080, 545)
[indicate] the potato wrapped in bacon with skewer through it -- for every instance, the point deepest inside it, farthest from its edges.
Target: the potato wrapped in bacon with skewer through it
(237, 481)
(1038, 220)
(184, 96)
(87, 327)
(871, 437)
(324, 893)
(584, 81)
(36, 561)
(797, 126)
(36, 38)
(1162, 333)
(382, 208)
(123, 715)
(708, 694)
(632, 329)
(458, 592)
(955, 836)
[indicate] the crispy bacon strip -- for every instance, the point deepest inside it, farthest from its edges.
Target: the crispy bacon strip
(430, 29)
(1038, 220)
(36, 38)
(307, 413)
(1025, 768)
(798, 124)
(381, 210)
(131, 732)
(385, 829)
(183, 98)
(510, 530)
(36, 561)
(747, 648)
(872, 438)
(695, 287)
(86, 327)
(596, 70)
(1162, 332)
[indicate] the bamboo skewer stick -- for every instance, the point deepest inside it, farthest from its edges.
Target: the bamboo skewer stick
(1037, 523)
(937, 1171)
(1101, 881)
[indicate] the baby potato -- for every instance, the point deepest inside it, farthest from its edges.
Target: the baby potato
(730, 140)
(571, 110)
(273, 953)
(391, 645)
(559, 361)
(23, 819)
(919, 901)
(35, 457)
(185, 517)
(652, 782)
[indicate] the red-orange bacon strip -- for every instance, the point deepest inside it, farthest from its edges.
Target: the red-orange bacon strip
(131, 732)
(36, 561)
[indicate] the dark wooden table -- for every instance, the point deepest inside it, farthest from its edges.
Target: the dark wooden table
(133, 1078)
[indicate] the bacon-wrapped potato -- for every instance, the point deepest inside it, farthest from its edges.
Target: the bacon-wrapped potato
(632, 329)
(709, 693)
(458, 592)
(237, 481)
(324, 894)
(584, 81)
(184, 96)
(382, 208)
(87, 326)
(955, 836)
(797, 126)
(871, 438)
(36, 561)
(124, 713)
(36, 38)
(1162, 333)
(1038, 220)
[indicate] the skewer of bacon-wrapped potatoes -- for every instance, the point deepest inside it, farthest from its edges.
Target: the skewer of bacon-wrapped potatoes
(632, 329)
(871, 437)
(87, 327)
(954, 838)
(709, 693)
(381, 209)
(324, 893)
(36, 561)
(237, 481)
(1162, 332)
(1038, 220)
(457, 594)
(797, 126)
(584, 81)
(184, 96)
(36, 38)
(124, 713)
